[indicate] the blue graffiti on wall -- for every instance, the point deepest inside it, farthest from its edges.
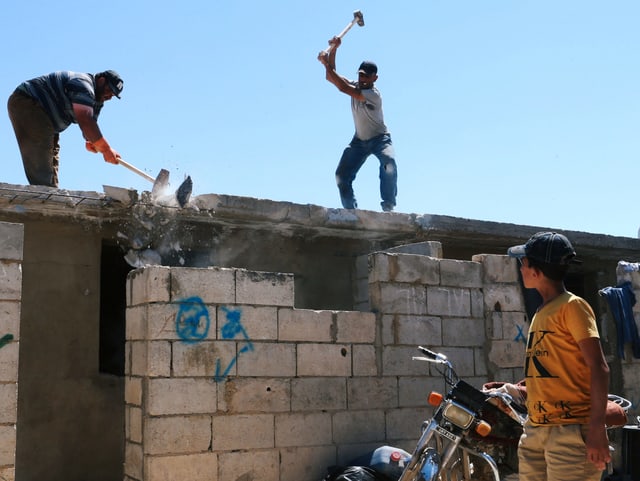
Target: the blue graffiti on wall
(520, 336)
(192, 320)
(230, 330)
(6, 339)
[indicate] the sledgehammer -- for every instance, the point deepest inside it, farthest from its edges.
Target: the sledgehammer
(161, 181)
(357, 18)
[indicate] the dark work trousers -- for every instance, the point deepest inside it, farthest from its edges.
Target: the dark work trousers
(36, 138)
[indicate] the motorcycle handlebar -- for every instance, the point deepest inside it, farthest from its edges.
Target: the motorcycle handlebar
(433, 356)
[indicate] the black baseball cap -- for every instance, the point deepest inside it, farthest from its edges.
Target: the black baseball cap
(113, 80)
(368, 68)
(547, 248)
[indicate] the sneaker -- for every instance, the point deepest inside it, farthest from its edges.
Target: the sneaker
(387, 207)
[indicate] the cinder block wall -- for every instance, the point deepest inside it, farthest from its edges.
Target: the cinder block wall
(11, 249)
(225, 380)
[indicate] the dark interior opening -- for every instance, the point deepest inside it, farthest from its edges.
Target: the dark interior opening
(113, 304)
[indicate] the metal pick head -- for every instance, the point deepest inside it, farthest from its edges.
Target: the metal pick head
(357, 15)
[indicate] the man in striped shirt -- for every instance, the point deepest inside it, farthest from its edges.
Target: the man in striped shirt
(44, 106)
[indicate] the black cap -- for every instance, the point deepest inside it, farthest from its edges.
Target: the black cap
(547, 248)
(113, 80)
(368, 68)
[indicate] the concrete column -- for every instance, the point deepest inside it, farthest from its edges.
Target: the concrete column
(11, 249)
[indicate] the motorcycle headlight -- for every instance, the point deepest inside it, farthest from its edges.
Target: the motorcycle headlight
(458, 415)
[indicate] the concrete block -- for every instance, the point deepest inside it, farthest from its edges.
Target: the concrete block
(158, 359)
(10, 281)
(324, 360)
(463, 332)
(514, 325)
(355, 327)
(133, 390)
(303, 429)
(405, 423)
(7, 446)
(244, 466)
(264, 288)
(136, 323)
(267, 359)
(181, 396)
(404, 268)
(133, 461)
(413, 391)
(204, 359)
(480, 360)
(297, 464)
(10, 319)
(418, 330)
(399, 298)
(358, 426)
(462, 359)
(259, 323)
(164, 321)
(255, 431)
(192, 467)
(506, 354)
(304, 325)
(426, 248)
(318, 394)
(388, 329)
(8, 403)
(364, 360)
(361, 294)
(252, 395)
(448, 301)
(133, 427)
(11, 242)
(9, 362)
(212, 285)
(497, 269)
(8, 473)
(504, 297)
(396, 361)
(148, 284)
(372, 392)
(194, 321)
(477, 302)
(457, 273)
(139, 358)
(177, 434)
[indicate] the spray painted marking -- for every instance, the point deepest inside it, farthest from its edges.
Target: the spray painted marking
(192, 320)
(6, 339)
(520, 336)
(232, 328)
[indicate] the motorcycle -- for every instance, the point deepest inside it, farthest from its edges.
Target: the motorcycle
(451, 439)
(467, 423)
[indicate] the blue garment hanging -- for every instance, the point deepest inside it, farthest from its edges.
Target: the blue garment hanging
(621, 300)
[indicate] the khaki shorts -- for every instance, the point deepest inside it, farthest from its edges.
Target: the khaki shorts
(555, 453)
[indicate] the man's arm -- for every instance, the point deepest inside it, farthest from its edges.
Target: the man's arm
(92, 134)
(597, 442)
(329, 61)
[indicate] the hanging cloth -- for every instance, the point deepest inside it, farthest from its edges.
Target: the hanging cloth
(621, 300)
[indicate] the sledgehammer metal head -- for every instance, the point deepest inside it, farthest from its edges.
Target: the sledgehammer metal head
(359, 19)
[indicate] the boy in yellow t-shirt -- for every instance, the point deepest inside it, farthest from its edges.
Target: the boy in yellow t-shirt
(567, 376)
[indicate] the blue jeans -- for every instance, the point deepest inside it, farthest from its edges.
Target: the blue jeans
(354, 157)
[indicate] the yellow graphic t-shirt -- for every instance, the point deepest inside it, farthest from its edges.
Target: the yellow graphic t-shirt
(558, 380)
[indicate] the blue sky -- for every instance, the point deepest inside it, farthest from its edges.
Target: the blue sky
(517, 111)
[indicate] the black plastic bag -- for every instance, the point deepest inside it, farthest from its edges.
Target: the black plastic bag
(354, 473)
